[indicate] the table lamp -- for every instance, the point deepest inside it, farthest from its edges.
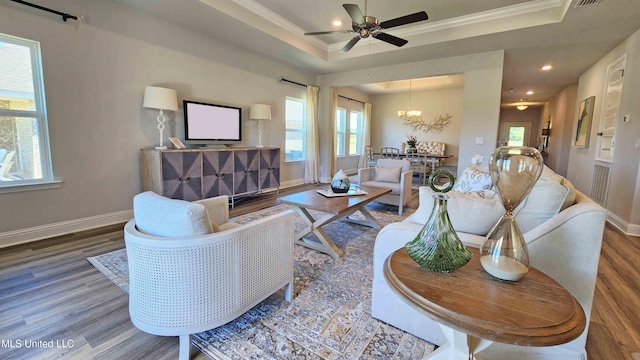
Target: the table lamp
(260, 112)
(161, 99)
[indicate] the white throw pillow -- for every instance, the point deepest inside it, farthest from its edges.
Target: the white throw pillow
(551, 194)
(388, 174)
(474, 212)
(161, 216)
(473, 178)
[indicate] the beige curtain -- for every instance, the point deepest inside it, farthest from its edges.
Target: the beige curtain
(332, 129)
(366, 135)
(312, 153)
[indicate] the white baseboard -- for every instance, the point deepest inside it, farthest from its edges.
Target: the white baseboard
(22, 236)
(622, 225)
(291, 183)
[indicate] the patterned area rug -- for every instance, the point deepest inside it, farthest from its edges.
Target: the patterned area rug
(329, 317)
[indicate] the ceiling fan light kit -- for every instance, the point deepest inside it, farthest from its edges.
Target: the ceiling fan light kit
(365, 26)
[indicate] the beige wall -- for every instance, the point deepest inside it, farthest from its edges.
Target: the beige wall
(560, 111)
(480, 107)
(94, 76)
(623, 200)
(389, 130)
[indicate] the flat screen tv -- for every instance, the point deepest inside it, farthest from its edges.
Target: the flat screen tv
(211, 124)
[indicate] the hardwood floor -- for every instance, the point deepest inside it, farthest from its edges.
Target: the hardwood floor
(51, 295)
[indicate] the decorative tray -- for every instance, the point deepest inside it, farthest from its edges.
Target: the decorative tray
(352, 191)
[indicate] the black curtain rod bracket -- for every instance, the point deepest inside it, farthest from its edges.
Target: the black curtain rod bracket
(65, 16)
(292, 82)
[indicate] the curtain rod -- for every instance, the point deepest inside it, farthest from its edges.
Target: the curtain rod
(350, 99)
(65, 16)
(292, 82)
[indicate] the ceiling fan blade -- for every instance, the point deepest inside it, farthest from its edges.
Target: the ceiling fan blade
(329, 32)
(350, 44)
(403, 20)
(394, 40)
(354, 11)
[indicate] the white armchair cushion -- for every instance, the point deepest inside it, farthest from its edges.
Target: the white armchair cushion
(473, 178)
(161, 216)
(388, 174)
(473, 212)
(394, 187)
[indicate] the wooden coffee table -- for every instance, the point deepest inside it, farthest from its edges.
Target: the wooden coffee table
(336, 208)
(474, 309)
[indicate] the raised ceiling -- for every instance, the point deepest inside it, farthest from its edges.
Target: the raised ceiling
(532, 33)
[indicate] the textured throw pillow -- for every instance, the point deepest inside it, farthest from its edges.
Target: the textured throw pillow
(473, 178)
(161, 216)
(388, 174)
(551, 194)
(474, 212)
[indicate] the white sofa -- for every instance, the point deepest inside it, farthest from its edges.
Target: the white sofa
(393, 174)
(563, 229)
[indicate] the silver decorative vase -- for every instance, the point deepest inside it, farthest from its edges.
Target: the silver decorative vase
(340, 182)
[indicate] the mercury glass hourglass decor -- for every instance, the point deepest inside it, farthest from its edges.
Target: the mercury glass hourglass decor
(514, 171)
(437, 247)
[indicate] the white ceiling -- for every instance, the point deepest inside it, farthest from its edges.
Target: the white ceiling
(532, 33)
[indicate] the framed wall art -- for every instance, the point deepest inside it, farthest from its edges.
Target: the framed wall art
(583, 128)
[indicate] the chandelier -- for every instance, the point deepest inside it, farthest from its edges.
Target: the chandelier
(410, 115)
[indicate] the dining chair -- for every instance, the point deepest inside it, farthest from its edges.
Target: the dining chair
(419, 165)
(369, 160)
(390, 152)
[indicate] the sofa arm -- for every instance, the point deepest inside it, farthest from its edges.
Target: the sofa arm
(389, 239)
(217, 208)
(366, 174)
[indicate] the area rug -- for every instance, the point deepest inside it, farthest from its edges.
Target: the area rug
(329, 317)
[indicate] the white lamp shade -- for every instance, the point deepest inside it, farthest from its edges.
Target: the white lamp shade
(260, 112)
(160, 98)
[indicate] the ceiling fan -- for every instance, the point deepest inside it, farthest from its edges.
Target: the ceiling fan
(366, 26)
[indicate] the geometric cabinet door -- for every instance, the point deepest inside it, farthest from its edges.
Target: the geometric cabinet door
(182, 175)
(269, 168)
(217, 173)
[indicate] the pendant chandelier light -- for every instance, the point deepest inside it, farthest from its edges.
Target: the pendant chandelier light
(410, 115)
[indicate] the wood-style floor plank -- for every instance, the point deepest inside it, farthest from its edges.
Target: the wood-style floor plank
(49, 291)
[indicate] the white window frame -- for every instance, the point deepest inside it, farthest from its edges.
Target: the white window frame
(343, 129)
(302, 131)
(358, 134)
(40, 114)
(341, 132)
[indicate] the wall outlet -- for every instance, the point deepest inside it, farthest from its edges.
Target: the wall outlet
(626, 118)
(479, 141)
(638, 144)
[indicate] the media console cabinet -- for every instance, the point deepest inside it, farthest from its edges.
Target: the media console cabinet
(193, 174)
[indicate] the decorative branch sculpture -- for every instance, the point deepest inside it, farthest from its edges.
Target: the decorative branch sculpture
(437, 125)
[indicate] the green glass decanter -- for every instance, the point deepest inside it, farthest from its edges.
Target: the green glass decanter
(437, 246)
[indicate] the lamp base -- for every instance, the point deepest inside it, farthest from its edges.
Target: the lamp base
(161, 148)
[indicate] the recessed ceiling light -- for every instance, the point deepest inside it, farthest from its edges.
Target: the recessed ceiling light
(530, 92)
(546, 68)
(336, 22)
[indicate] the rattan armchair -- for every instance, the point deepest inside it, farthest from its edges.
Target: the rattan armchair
(185, 278)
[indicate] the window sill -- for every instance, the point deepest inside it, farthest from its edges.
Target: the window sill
(294, 161)
(11, 187)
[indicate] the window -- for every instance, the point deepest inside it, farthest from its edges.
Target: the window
(24, 138)
(348, 139)
(341, 130)
(355, 132)
(295, 129)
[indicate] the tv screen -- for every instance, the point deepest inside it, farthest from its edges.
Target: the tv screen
(208, 124)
